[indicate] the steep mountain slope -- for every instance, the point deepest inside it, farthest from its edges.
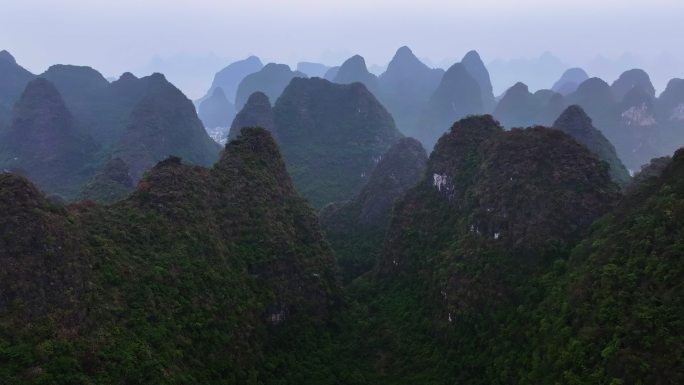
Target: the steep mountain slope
(671, 102)
(44, 143)
(570, 80)
(457, 96)
(331, 73)
(216, 114)
(271, 80)
(331, 136)
(256, 113)
(110, 184)
(630, 79)
(229, 78)
(575, 122)
(405, 88)
(13, 80)
(354, 70)
(457, 277)
(517, 107)
(670, 116)
(456, 280)
(164, 123)
(201, 275)
(619, 300)
(476, 68)
(86, 93)
(523, 189)
(216, 110)
(638, 129)
(596, 98)
(356, 228)
(520, 108)
(654, 169)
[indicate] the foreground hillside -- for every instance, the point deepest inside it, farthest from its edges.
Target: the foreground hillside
(493, 273)
(200, 276)
(514, 259)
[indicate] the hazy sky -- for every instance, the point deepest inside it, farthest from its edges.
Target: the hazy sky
(116, 36)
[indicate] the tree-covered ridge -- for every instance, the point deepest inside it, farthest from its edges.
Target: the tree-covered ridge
(575, 122)
(190, 279)
(257, 112)
(356, 228)
(614, 310)
(599, 304)
(331, 136)
(45, 143)
(111, 184)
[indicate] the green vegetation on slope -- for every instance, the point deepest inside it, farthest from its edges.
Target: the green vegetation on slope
(331, 136)
(189, 280)
(515, 260)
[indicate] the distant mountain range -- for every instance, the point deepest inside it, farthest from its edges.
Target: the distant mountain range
(70, 121)
(506, 244)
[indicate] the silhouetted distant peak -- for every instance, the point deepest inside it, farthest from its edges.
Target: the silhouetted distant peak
(356, 61)
(7, 57)
(42, 89)
(404, 58)
(570, 80)
(518, 88)
(253, 59)
(276, 67)
(73, 70)
(472, 55)
(576, 114)
(76, 82)
(630, 79)
(257, 112)
(575, 74)
(258, 98)
(127, 77)
(271, 80)
(354, 70)
(158, 77)
(218, 93)
(404, 51)
(675, 83)
(331, 73)
(476, 68)
(591, 85)
(575, 122)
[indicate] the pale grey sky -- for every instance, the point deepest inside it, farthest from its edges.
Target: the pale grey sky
(203, 35)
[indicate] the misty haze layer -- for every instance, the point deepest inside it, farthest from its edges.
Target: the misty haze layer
(190, 41)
